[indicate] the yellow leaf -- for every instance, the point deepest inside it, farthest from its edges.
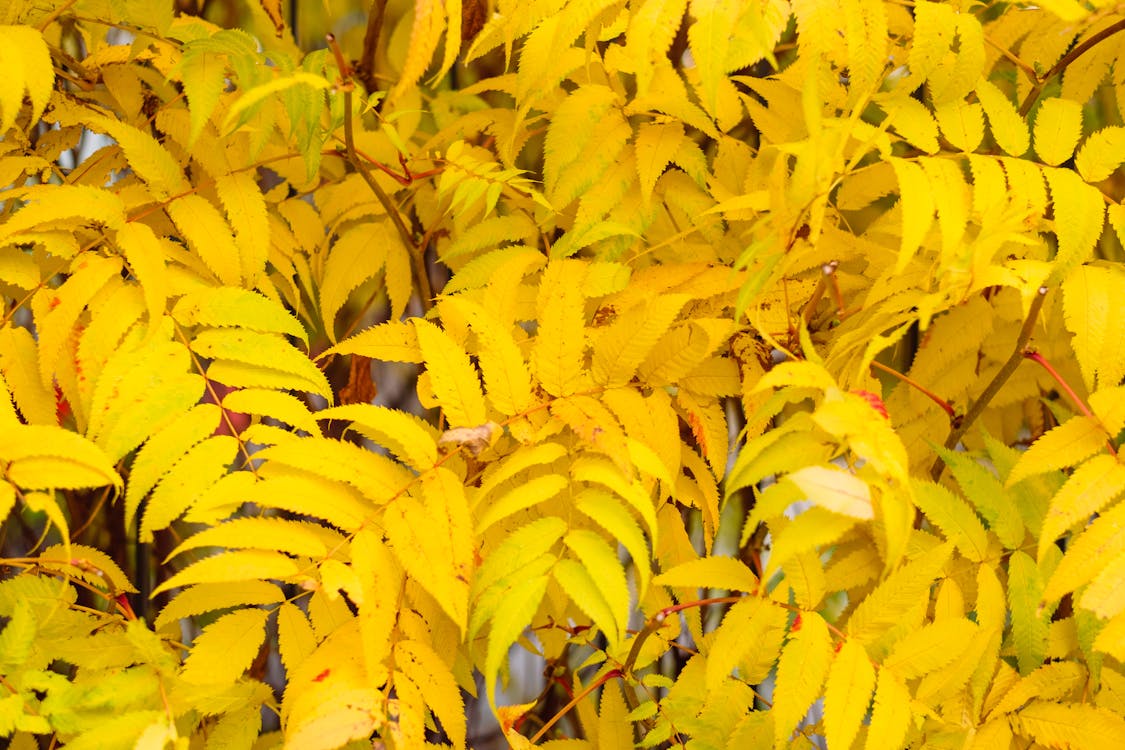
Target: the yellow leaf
(559, 350)
(656, 144)
(1008, 128)
(245, 206)
(961, 123)
(896, 594)
(951, 194)
(587, 133)
(226, 647)
(1079, 216)
(1108, 405)
(19, 363)
(65, 305)
(801, 674)
(425, 31)
(615, 731)
(208, 597)
(1087, 553)
(354, 258)
(611, 515)
(917, 209)
(1105, 596)
(1091, 295)
(954, 517)
(455, 381)
(1048, 682)
(711, 572)
(45, 457)
(851, 680)
(520, 605)
(433, 539)
(913, 120)
(507, 379)
(26, 62)
(1101, 154)
(1073, 725)
(209, 236)
(599, 559)
(430, 673)
(167, 443)
(890, 715)
(89, 564)
(1068, 444)
(278, 405)
(148, 159)
(621, 348)
(1089, 489)
(245, 105)
(807, 533)
(241, 565)
(1030, 621)
(520, 497)
(836, 490)
(747, 627)
(283, 535)
(55, 204)
(231, 307)
(931, 647)
(1058, 125)
(393, 341)
(247, 358)
(199, 468)
(1111, 639)
(409, 437)
(377, 477)
(145, 257)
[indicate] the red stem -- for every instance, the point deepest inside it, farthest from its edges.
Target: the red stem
(1082, 407)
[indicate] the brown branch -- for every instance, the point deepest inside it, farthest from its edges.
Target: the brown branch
(996, 383)
(1068, 58)
(365, 67)
(421, 277)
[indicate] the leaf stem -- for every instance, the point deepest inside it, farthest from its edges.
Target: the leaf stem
(1082, 407)
(365, 67)
(421, 277)
(574, 702)
(996, 383)
(918, 387)
(1067, 59)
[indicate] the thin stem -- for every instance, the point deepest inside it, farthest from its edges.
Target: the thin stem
(1068, 58)
(918, 387)
(574, 702)
(1082, 407)
(421, 277)
(365, 67)
(997, 382)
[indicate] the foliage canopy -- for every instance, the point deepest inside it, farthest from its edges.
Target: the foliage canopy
(730, 355)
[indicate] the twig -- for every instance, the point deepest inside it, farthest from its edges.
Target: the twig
(417, 255)
(1082, 407)
(918, 387)
(997, 382)
(1061, 65)
(365, 67)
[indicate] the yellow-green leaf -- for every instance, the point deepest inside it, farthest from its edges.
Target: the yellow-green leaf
(801, 673)
(455, 381)
(1058, 125)
(890, 715)
(226, 648)
(847, 694)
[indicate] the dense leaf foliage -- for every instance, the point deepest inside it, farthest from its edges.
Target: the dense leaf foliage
(756, 364)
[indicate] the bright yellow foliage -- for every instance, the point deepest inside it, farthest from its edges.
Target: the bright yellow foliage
(755, 364)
